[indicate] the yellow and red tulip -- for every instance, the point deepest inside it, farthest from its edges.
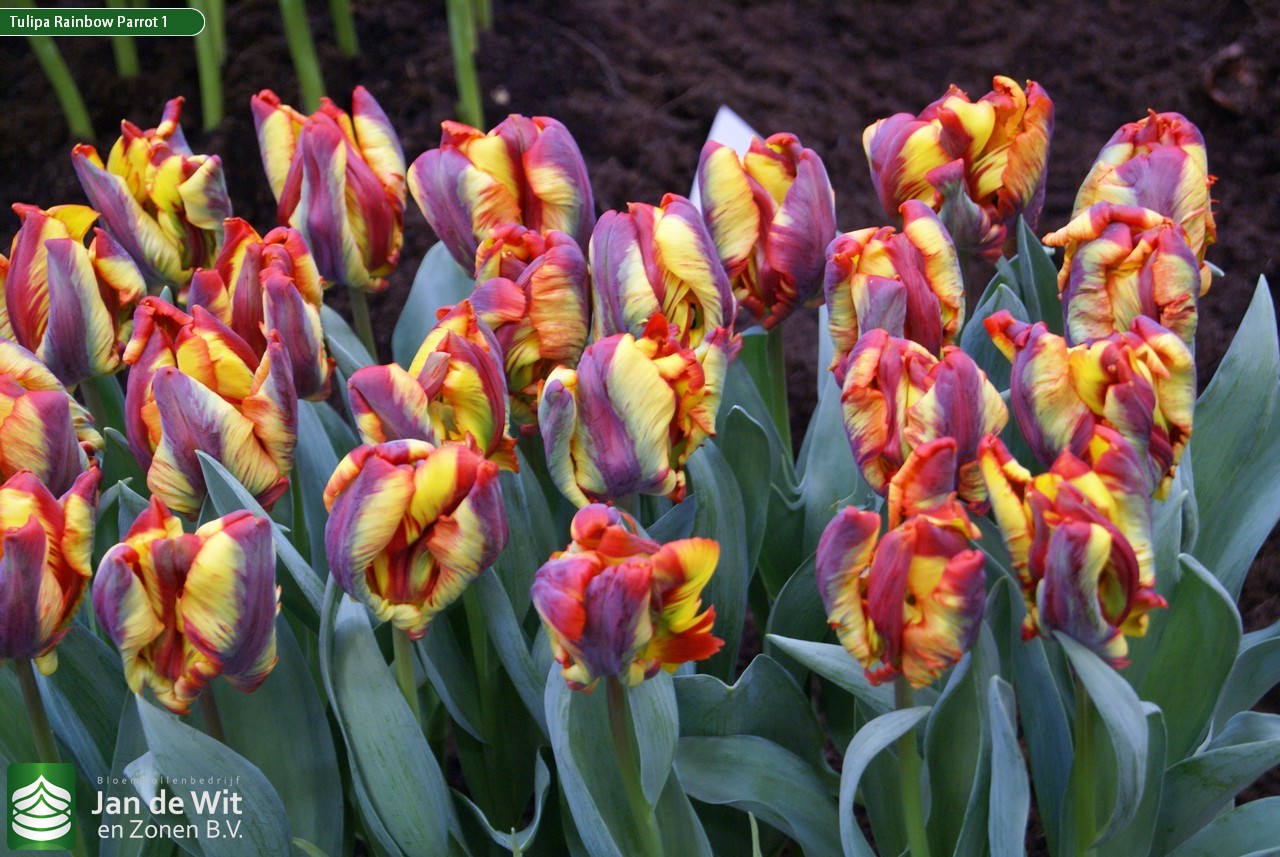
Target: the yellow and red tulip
(616, 604)
(1079, 537)
(1122, 262)
(978, 164)
(338, 179)
(524, 171)
(264, 284)
(185, 608)
(541, 319)
(454, 390)
(1160, 163)
(410, 525)
(196, 385)
(897, 397)
(45, 547)
(42, 428)
(162, 203)
(658, 259)
(771, 214)
(628, 418)
(908, 283)
(69, 305)
(909, 603)
(1141, 382)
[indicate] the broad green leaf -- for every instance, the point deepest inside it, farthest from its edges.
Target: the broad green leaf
(1256, 670)
(976, 342)
(678, 824)
(452, 675)
(744, 445)
(1121, 712)
(676, 523)
(16, 741)
(440, 282)
(829, 477)
(1236, 446)
(403, 798)
(83, 699)
(797, 613)
(1136, 836)
(1198, 789)
(512, 647)
(758, 776)
(836, 665)
(118, 462)
(184, 754)
(1039, 277)
(228, 495)
(282, 729)
(1010, 791)
(656, 719)
(531, 530)
(130, 744)
(345, 347)
(868, 743)
(106, 403)
(1246, 831)
(720, 516)
(316, 463)
(1186, 674)
(514, 840)
(761, 355)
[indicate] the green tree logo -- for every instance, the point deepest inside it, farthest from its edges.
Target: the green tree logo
(42, 800)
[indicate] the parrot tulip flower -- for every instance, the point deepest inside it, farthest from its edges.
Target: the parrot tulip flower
(628, 418)
(541, 320)
(1159, 163)
(197, 386)
(909, 603)
(658, 260)
(1122, 262)
(1141, 382)
(1079, 537)
(410, 525)
(264, 284)
(163, 204)
(68, 305)
(45, 547)
(771, 215)
(185, 608)
(615, 604)
(978, 164)
(908, 283)
(898, 397)
(42, 429)
(525, 171)
(339, 179)
(454, 391)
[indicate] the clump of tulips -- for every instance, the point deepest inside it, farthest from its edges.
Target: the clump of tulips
(560, 548)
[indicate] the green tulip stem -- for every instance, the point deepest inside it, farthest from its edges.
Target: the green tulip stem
(208, 66)
(776, 394)
(1086, 823)
(403, 648)
(302, 50)
(64, 85)
(46, 749)
(462, 39)
(629, 767)
(344, 27)
(364, 327)
(126, 53)
(909, 775)
(212, 716)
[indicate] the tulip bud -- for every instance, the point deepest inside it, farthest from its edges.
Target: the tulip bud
(658, 260)
(978, 164)
(540, 320)
(628, 418)
(339, 180)
(615, 604)
(1079, 537)
(265, 284)
(912, 603)
(454, 391)
(42, 429)
(771, 215)
(908, 283)
(163, 204)
(525, 171)
(45, 547)
(1140, 382)
(184, 609)
(1159, 163)
(69, 305)
(898, 397)
(197, 386)
(1122, 262)
(410, 525)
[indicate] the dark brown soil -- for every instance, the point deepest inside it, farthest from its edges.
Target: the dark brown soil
(638, 84)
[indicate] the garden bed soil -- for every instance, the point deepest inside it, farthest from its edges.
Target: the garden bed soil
(638, 83)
